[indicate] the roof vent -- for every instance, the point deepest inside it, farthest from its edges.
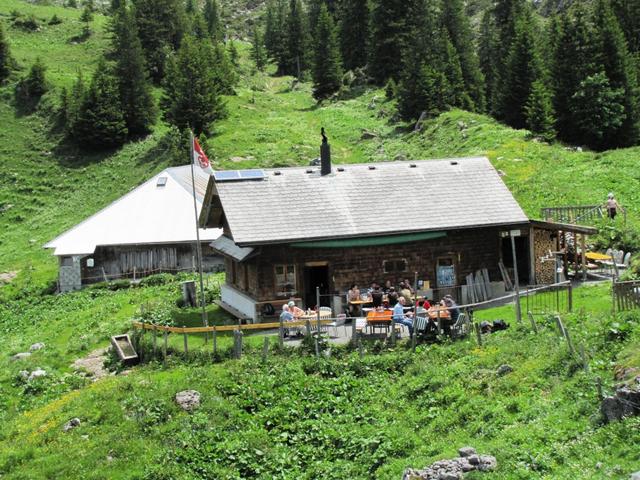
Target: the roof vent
(372, 167)
(412, 165)
(325, 155)
(341, 169)
(453, 162)
(309, 170)
(162, 181)
(277, 173)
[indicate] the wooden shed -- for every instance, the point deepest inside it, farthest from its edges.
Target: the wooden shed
(150, 230)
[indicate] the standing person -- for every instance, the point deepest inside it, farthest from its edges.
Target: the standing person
(400, 317)
(406, 292)
(376, 296)
(612, 206)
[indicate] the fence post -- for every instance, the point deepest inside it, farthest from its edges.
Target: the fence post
(360, 350)
(599, 388)
(534, 326)
(155, 340)
(415, 333)
(439, 323)
(393, 331)
(240, 335)
(215, 341)
(265, 349)
(308, 326)
(281, 334)
(186, 342)
(583, 356)
(353, 328)
(317, 346)
(164, 348)
(570, 297)
(318, 307)
(478, 333)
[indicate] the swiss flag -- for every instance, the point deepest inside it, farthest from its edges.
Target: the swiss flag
(200, 158)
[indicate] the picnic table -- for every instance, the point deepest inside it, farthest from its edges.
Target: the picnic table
(595, 256)
(379, 320)
(441, 312)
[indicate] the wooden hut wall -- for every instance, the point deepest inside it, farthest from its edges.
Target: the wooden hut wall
(471, 250)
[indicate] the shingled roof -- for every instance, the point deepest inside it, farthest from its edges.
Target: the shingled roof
(362, 200)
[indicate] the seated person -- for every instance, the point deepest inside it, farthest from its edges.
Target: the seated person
(376, 297)
(400, 317)
(387, 286)
(406, 293)
(421, 308)
(354, 293)
(452, 306)
(295, 310)
(286, 316)
(407, 284)
(392, 297)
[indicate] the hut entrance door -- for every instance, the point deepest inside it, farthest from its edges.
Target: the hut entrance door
(316, 276)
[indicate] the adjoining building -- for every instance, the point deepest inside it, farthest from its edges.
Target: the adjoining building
(288, 231)
(149, 230)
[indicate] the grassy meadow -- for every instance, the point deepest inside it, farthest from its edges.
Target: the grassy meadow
(293, 416)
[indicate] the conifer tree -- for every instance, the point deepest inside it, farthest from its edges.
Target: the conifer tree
(628, 14)
(199, 27)
(461, 37)
(488, 52)
(31, 87)
(296, 40)
(275, 34)
(354, 33)
(87, 17)
(234, 56)
(161, 25)
(574, 59)
(137, 103)
(212, 18)
(73, 104)
(327, 71)
(258, 53)
(5, 56)
(523, 68)
(539, 112)
(224, 72)
(389, 31)
(192, 93)
(620, 69)
(100, 123)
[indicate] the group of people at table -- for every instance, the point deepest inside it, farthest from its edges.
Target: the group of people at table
(398, 304)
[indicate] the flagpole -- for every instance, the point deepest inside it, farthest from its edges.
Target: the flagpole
(205, 321)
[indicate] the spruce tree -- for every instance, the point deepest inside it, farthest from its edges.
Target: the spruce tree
(628, 14)
(389, 32)
(100, 123)
(87, 17)
(212, 18)
(32, 86)
(234, 56)
(199, 27)
(258, 53)
(224, 72)
(488, 53)
(192, 93)
(296, 40)
(5, 56)
(523, 68)
(598, 110)
(137, 102)
(73, 105)
(620, 68)
(354, 33)
(574, 59)
(161, 25)
(327, 71)
(275, 34)
(539, 112)
(461, 37)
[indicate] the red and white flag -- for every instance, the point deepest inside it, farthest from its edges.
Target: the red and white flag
(200, 158)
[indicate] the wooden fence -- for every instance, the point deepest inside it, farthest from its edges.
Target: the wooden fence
(626, 295)
(583, 215)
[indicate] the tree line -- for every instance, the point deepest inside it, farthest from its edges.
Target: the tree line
(572, 75)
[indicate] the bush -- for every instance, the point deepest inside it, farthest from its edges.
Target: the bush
(156, 280)
(31, 87)
(612, 236)
(28, 23)
(55, 20)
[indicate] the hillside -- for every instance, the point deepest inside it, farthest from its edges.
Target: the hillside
(293, 416)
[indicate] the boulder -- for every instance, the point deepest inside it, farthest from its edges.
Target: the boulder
(71, 424)
(188, 400)
(466, 451)
(37, 373)
(611, 409)
(24, 374)
(21, 356)
(504, 369)
(36, 346)
(635, 476)
(487, 463)
(367, 135)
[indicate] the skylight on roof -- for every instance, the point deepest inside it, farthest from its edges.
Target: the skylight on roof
(162, 181)
(237, 175)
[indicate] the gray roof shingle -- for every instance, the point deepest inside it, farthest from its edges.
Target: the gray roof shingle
(395, 197)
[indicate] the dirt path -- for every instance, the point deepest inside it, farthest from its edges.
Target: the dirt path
(93, 363)
(6, 277)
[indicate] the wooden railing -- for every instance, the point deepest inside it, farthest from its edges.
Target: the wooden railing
(626, 295)
(584, 214)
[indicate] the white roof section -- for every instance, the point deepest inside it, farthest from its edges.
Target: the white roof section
(149, 214)
(360, 200)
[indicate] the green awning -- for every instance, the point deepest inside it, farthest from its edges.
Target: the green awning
(371, 241)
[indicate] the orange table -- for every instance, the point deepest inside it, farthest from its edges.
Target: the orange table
(441, 312)
(381, 320)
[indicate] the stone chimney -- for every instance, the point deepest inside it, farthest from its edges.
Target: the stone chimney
(325, 155)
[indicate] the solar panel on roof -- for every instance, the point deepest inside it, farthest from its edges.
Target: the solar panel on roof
(226, 176)
(252, 174)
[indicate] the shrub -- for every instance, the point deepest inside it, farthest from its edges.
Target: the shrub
(31, 87)
(28, 23)
(55, 20)
(156, 280)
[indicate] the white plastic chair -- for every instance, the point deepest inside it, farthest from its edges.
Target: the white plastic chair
(626, 261)
(339, 322)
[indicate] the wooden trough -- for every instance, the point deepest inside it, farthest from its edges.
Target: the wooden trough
(124, 348)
